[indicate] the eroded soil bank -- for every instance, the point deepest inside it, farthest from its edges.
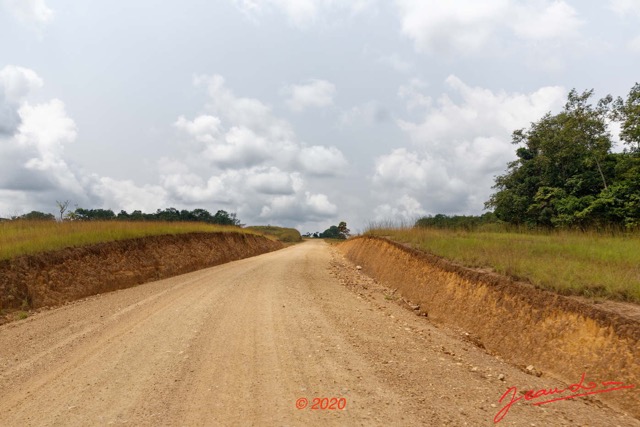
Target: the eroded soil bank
(53, 278)
(526, 326)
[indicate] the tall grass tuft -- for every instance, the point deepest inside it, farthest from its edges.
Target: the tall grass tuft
(572, 263)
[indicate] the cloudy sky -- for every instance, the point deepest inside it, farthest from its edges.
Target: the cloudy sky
(290, 112)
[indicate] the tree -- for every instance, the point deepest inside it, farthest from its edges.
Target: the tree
(628, 113)
(331, 233)
(456, 222)
(94, 214)
(62, 207)
(343, 230)
(137, 215)
(224, 218)
(566, 175)
(563, 162)
(35, 216)
(169, 214)
(336, 232)
(123, 216)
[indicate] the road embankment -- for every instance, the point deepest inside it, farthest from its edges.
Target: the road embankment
(53, 278)
(524, 325)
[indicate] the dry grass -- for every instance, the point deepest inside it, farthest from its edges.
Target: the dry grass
(287, 235)
(28, 237)
(588, 264)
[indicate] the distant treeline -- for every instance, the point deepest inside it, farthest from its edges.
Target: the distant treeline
(339, 231)
(221, 217)
(458, 222)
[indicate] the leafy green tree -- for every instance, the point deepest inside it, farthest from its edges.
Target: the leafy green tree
(169, 214)
(93, 214)
(561, 156)
(201, 215)
(343, 230)
(456, 222)
(224, 218)
(628, 113)
(123, 216)
(35, 216)
(332, 232)
(137, 215)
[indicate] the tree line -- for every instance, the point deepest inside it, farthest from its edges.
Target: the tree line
(457, 222)
(339, 231)
(221, 217)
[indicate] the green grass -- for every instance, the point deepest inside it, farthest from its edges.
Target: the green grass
(287, 235)
(29, 237)
(570, 263)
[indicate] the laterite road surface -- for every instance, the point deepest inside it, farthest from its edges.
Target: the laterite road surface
(247, 342)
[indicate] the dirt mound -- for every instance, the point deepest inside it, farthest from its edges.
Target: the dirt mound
(522, 324)
(53, 278)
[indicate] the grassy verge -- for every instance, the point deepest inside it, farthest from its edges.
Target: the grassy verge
(28, 237)
(588, 264)
(287, 235)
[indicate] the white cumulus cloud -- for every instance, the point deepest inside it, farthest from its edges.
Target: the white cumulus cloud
(204, 128)
(303, 14)
(401, 168)
(240, 154)
(625, 7)
(316, 93)
(310, 207)
(545, 21)
(441, 26)
(15, 85)
(30, 12)
(468, 26)
(117, 195)
(322, 161)
(459, 146)
(406, 208)
(17, 82)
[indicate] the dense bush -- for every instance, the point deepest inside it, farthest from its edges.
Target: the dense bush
(566, 174)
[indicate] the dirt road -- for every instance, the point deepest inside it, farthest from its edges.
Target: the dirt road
(242, 343)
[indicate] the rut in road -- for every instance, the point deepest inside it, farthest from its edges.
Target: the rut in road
(241, 343)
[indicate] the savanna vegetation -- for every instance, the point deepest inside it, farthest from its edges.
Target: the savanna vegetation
(565, 214)
(591, 264)
(286, 235)
(221, 217)
(39, 231)
(20, 237)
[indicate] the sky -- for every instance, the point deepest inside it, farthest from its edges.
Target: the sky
(298, 113)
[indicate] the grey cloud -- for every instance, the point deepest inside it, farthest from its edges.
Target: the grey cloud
(458, 147)
(9, 118)
(20, 179)
(311, 207)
